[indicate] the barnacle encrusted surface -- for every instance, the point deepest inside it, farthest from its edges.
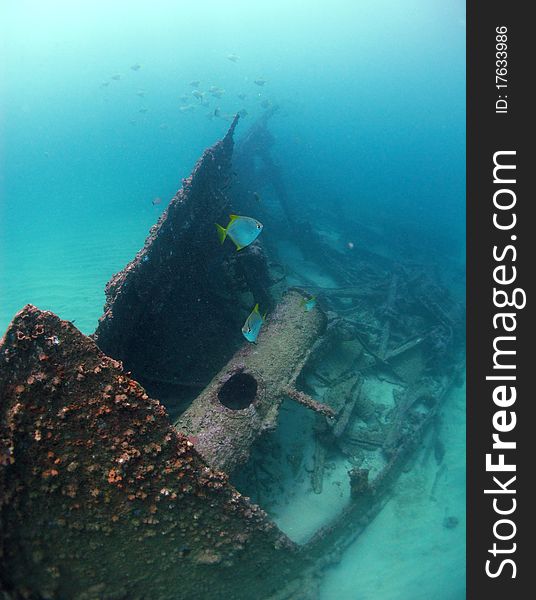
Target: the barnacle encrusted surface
(100, 497)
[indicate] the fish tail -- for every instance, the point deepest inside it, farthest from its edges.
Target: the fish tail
(222, 233)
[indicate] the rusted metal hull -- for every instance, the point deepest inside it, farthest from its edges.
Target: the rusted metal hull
(100, 497)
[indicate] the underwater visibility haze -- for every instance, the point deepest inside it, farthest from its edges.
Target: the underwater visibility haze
(353, 197)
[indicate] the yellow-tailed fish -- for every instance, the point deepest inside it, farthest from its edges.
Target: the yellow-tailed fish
(241, 230)
(309, 304)
(253, 324)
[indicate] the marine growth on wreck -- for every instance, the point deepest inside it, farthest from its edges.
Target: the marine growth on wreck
(266, 403)
(88, 457)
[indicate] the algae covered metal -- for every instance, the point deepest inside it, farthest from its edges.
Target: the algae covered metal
(243, 400)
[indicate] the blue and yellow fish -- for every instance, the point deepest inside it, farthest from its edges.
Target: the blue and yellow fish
(253, 324)
(241, 230)
(309, 304)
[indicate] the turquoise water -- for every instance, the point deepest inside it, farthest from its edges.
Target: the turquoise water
(372, 125)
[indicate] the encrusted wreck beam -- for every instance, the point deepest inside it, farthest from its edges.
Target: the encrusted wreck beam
(430, 391)
(243, 399)
(101, 498)
(343, 418)
(170, 314)
(308, 402)
(405, 347)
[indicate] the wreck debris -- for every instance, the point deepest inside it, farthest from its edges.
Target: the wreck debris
(358, 482)
(180, 279)
(388, 314)
(308, 402)
(405, 347)
(343, 418)
(243, 399)
(425, 391)
(75, 411)
(96, 486)
(350, 523)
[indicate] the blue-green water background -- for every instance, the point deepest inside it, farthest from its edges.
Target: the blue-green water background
(372, 123)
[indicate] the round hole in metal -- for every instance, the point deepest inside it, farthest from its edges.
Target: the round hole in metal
(238, 392)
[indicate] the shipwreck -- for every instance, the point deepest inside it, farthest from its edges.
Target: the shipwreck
(120, 452)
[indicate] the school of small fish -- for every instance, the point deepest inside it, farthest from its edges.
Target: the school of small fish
(202, 96)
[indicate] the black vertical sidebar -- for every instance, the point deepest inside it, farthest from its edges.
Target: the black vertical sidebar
(501, 119)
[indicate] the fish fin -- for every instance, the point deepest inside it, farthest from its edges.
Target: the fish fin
(256, 308)
(222, 233)
(264, 315)
(234, 217)
(238, 246)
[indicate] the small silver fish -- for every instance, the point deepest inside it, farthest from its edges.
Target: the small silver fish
(233, 57)
(116, 77)
(260, 81)
(197, 94)
(242, 96)
(253, 324)
(136, 67)
(241, 230)
(195, 83)
(187, 108)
